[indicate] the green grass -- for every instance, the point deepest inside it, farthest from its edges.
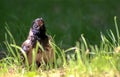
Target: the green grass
(82, 60)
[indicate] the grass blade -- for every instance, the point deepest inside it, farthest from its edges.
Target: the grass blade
(117, 31)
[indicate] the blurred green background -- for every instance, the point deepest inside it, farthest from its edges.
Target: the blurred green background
(65, 19)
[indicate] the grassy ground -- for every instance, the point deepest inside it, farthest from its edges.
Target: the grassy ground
(87, 55)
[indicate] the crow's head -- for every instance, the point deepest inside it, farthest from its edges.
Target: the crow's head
(38, 27)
